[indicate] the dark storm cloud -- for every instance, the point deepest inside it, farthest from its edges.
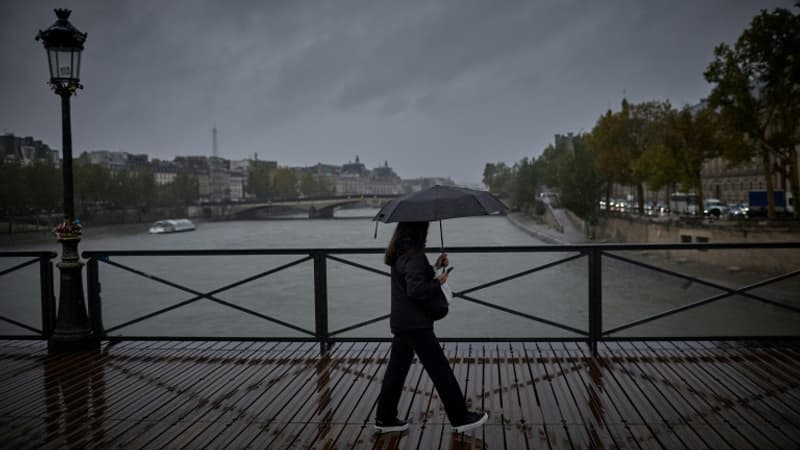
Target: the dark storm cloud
(434, 87)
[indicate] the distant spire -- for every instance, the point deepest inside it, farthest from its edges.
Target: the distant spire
(357, 159)
(214, 147)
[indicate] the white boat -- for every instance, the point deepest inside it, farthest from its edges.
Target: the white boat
(171, 226)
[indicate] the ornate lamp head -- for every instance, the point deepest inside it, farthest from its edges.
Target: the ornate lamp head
(64, 44)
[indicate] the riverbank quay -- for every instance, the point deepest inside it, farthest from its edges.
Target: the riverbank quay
(234, 394)
(568, 233)
(617, 228)
(94, 218)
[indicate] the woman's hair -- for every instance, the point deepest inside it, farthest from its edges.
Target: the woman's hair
(416, 232)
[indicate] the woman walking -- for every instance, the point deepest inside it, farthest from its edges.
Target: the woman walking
(416, 302)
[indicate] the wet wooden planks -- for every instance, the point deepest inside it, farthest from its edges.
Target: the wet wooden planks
(285, 395)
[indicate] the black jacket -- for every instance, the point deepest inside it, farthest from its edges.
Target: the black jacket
(417, 298)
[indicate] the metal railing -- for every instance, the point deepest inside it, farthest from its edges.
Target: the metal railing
(594, 255)
(47, 298)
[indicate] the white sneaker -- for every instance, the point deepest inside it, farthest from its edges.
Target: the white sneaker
(473, 419)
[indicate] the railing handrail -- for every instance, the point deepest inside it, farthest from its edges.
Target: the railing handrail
(39, 254)
(46, 292)
(463, 249)
(594, 253)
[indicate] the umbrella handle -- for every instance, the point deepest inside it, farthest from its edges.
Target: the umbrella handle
(441, 235)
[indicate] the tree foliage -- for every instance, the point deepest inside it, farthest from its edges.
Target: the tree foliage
(525, 182)
(37, 187)
(756, 88)
(572, 171)
(259, 181)
(285, 183)
(498, 177)
(622, 140)
(312, 186)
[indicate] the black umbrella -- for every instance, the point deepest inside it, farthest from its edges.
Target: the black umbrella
(438, 203)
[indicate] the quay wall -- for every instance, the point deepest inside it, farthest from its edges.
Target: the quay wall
(46, 222)
(633, 229)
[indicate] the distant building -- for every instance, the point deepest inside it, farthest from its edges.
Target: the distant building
(326, 170)
(117, 161)
(567, 141)
(197, 167)
(236, 184)
(354, 169)
(417, 184)
(25, 150)
(238, 179)
(219, 174)
(355, 179)
(732, 184)
(164, 172)
(384, 172)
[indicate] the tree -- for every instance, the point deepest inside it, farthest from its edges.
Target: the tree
(43, 186)
(525, 181)
(498, 177)
(185, 189)
(581, 192)
(285, 182)
(12, 188)
(757, 92)
(620, 140)
(689, 137)
(607, 141)
(259, 180)
(643, 132)
(92, 184)
(572, 171)
(311, 185)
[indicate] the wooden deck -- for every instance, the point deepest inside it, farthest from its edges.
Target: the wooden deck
(284, 395)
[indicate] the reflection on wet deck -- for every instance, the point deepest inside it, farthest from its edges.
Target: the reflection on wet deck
(284, 395)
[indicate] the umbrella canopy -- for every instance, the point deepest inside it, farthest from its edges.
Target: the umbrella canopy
(438, 203)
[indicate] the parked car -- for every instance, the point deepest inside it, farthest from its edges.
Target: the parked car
(714, 207)
(739, 211)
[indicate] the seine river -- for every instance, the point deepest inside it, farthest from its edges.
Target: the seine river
(354, 295)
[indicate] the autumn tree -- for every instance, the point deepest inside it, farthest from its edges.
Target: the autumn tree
(311, 185)
(259, 180)
(756, 88)
(284, 182)
(619, 142)
(572, 171)
(41, 186)
(185, 189)
(498, 177)
(524, 184)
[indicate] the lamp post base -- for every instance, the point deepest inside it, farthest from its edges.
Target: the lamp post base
(75, 342)
(72, 332)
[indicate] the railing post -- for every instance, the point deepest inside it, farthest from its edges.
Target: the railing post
(595, 299)
(321, 301)
(48, 296)
(93, 294)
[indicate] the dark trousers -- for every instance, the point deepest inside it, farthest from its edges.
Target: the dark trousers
(424, 343)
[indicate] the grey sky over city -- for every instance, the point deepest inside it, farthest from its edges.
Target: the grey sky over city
(436, 88)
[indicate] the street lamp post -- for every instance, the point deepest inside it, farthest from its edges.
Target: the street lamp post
(64, 44)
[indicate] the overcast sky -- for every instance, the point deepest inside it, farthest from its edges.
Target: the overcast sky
(434, 87)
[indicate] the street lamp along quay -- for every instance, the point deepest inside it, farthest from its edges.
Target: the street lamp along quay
(64, 44)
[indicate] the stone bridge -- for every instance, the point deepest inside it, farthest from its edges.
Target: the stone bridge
(315, 208)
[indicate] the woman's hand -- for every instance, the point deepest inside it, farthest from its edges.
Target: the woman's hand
(442, 261)
(442, 279)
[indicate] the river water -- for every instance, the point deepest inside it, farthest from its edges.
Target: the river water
(559, 294)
